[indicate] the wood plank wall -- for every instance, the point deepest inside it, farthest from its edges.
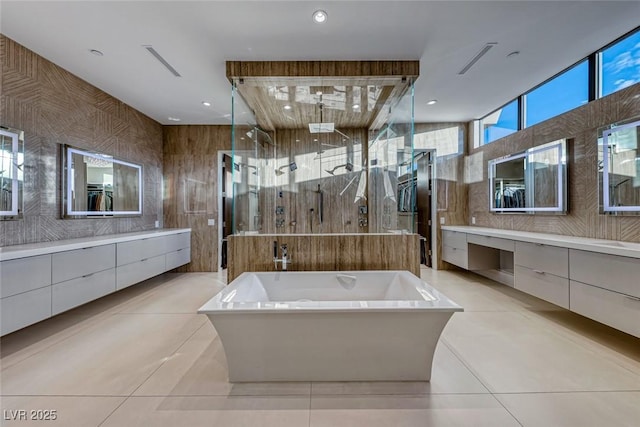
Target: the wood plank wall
(53, 107)
(580, 127)
(337, 252)
(300, 187)
(190, 171)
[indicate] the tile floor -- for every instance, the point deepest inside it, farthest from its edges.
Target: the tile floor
(142, 357)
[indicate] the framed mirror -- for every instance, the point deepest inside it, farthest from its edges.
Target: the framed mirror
(11, 173)
(533, 181)
(98, 185)
(619, 168)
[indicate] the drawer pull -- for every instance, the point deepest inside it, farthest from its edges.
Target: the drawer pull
(539, 244)
(88, 275)
(144, 259)
(538, 271)
(454, 249)
(84, 249)
(632, 298)
(180, 250)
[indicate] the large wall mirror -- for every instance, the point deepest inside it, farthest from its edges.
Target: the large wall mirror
(533, 181)
(11, 172)
(99, 185)
(619, 168)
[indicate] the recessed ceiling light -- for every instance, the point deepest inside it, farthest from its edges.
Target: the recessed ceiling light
(287, 107)
(96, 52)
(320, 16)
(206, 103)
(315, 139)
(514, 53)
(433, 101)
(356, 106)
(319, 93)
(174, 119)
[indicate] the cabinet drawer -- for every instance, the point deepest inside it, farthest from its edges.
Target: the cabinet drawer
(130, 274)
(77, 263)
(136, 250)
(178, 258)
(24, 274)
(491, 242)
(611, 308)
(542, 285)
(454, 239)
(25, 309)
(550, 259)
(617, 273)
(178, 241)
(455, 256)
(75, 292)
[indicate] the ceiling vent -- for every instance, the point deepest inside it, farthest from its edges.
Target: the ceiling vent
(163, 61)
(476, 58)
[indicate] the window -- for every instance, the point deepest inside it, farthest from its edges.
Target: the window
(500, 123)
(560, 94)
(620, 65)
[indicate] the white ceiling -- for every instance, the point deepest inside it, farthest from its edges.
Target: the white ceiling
(197, 37)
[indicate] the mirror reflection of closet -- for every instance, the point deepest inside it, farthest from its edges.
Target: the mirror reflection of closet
(11, 172)
(534, 181)
(96, 184)
(619, 175)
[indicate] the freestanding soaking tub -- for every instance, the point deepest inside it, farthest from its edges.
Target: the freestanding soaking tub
(329, 326)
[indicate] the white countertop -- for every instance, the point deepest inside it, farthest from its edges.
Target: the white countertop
(389, 233)
(43, 248)
(612, 247)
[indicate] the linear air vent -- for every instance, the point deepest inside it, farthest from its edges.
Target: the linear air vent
(163, 61)
(479, 55)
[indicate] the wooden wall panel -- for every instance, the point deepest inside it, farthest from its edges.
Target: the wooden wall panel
(580, 127)
(300, 187)
(314, 69)
(55, 107)
(190, 172)
(337, 252)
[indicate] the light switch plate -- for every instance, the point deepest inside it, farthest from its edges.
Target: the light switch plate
(157, 224)
(211, 221)
(441, 220)
(473, 220)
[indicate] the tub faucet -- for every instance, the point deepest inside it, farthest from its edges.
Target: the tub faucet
(285, 260)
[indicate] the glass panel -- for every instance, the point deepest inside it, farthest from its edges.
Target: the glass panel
(620, 65)
(619, 167)
(392, 172)
(532, 181)
(249, 159)
(318, 171)
(500, 123)
(563, 93)
(99, 185)
(11, 172)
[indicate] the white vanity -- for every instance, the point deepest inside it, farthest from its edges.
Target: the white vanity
(599, 279)
(40, 280)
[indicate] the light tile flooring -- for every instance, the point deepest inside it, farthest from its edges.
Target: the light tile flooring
(142, 357)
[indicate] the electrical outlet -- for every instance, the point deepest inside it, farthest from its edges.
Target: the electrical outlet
(441, 220)
(473, 220)
(211, 221)
(157, 224)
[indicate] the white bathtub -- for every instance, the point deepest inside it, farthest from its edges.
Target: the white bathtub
(329, 326)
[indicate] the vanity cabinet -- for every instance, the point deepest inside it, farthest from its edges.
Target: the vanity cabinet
(454, 248)
(82, 275)
(38, 281)
(25, 292)
(606, 288)
(542, 271)
(598, 279)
